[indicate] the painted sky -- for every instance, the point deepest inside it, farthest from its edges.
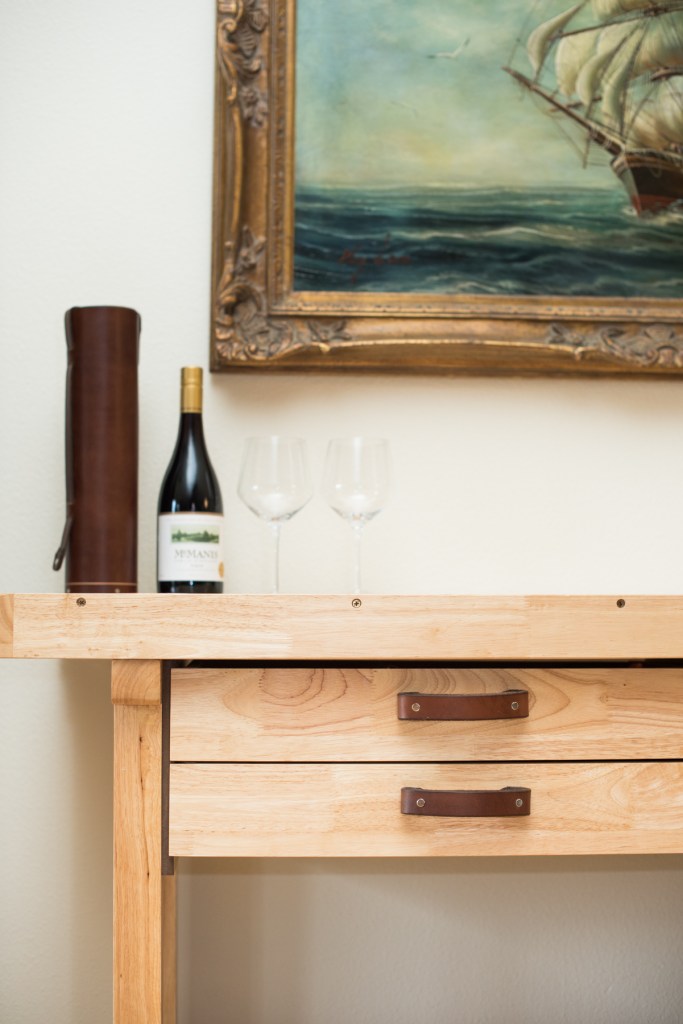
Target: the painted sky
(375, 107)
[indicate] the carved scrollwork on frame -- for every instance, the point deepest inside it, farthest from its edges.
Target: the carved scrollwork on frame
(642, 346)
(255, 338)
(261, 322)
(245, 333)
(241, 24)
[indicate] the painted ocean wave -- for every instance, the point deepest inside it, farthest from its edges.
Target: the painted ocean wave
(487, 242)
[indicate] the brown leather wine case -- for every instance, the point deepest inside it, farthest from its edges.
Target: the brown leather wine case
(100, 534)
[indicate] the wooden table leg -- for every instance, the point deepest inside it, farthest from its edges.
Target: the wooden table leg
(144, 900)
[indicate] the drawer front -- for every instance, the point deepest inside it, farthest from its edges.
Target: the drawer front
(351, 714)
(355, 810)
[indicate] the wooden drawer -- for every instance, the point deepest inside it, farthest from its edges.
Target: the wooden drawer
(350, 714)
(355, 810)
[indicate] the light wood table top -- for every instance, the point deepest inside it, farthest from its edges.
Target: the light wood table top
(340, 627)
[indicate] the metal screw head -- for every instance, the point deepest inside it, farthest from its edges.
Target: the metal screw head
(415, 707)
(519, 802)
(80, 601)
(621, 603)
(515, 705)
(420, 801)
(356, 603)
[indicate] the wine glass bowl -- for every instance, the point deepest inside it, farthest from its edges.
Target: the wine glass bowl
(356, 484)
(355, 507)
(275, 484)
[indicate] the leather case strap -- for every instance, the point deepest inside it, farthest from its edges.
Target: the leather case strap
(509, 802)
(462, 707)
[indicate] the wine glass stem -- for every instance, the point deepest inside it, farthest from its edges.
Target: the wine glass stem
(357, 529)
(275, 534)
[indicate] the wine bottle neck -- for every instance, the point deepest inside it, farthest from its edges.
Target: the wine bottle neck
(191, 426)
(191, 397)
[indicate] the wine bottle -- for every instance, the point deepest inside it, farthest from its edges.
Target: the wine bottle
(190, 511)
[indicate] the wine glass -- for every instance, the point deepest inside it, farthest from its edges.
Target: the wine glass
(356, 483)
(275, 484)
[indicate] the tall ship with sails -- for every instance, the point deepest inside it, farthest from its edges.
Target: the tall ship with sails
(615, 68)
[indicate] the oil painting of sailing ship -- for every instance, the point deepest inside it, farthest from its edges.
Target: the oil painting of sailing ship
(508, 148)
(617, 72)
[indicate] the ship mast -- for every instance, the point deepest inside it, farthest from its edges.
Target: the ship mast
(604, 63)
(598, 133)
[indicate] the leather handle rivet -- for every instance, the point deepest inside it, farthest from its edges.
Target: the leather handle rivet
(415, 707)
(515, 705)
(518, 802)
(420, 801)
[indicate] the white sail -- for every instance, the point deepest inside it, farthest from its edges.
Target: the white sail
(614, 37)
(658, 124)
(642, 132)
(572, 54)
(618, 71)
(668, 113)
(590, 76)
(614, 86)
(642, 47)
(607, 50)
(613, 68)
(618, 44)
(541, 38)
(613, 8)
(662, 45)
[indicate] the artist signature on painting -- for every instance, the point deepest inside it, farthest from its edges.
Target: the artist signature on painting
(360, 263)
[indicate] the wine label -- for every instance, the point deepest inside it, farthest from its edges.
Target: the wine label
(190, 547)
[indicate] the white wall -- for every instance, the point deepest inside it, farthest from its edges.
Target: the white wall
(506, 486)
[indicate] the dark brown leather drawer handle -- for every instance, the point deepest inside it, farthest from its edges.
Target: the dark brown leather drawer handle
(467, 803)
(462, 707)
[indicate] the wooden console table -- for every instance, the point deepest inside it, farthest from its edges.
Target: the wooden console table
(380, 726)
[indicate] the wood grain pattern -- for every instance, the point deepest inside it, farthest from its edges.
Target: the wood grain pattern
(144, 920)
(136, 682)
(279, 627)
(354, 810)
(344, 713)
(349, 714)
(6, 625)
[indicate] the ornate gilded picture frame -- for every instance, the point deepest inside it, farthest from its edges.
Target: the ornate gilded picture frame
(390, 191)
